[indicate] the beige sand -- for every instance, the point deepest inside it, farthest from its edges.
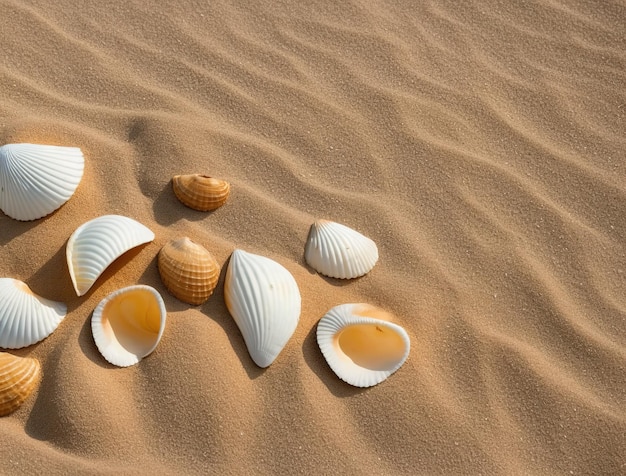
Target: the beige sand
(480, 144)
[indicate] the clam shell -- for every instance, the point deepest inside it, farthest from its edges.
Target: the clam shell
(264, 300)
(335, 250)
(35, 179)
(200, 192)
(26, 318)
(128, 324)
(360, 345)
(96, 244)
(19, 376)
(188, 270)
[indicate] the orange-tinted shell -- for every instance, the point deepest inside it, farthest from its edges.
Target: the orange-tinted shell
(188, 270)
(18, 378)
(200, 192)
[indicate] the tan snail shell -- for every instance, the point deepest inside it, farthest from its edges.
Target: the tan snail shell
(200, 192)
(18, 378)
(188, 270)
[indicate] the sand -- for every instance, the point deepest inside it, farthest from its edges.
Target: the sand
(479, 144)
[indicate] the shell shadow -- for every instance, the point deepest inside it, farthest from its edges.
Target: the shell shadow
(10, 228)
(215, 308)
(53, 281)
(167, 209)
(317, 363)
(89, 348)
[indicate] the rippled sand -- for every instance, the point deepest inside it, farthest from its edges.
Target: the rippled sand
(480, 144)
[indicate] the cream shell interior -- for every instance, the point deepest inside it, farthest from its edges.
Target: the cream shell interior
(128, 324)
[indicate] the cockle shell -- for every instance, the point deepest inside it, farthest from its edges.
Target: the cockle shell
(360, 344)
(19, 376)
(337, 251)
(264, 300)
(128, 324)
(200, 192)
(188, 270)
(96, 244)
(36, 179)
(26, 318)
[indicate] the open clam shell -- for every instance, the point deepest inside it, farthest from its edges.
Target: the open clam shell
(97, 243)
(26, 318)
(338, 251)
(264, 300)
(360, 345)
(201, 192)
(127, 325)
(36, 179)
(19, 376)
(188, 270)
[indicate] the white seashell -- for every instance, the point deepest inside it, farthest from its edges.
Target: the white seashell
(263, 298)
(35, 179)
(26, 318)
(337, 251)
(361, 346)
(128, 324)
(96, 244)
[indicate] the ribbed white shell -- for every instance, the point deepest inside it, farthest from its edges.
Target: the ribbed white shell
(96, 244)
(337, 251)
(263, 298)
(26, 318)
(337, 320)
(125, 345)
(35, 179)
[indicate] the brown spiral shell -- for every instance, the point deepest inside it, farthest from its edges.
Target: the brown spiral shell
(200, 192)
(19, 376)
(188, 270)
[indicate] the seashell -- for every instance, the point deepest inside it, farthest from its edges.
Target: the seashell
(361, 346)
(188, 270)
(263, 298)
(200, 192)
(337, 251)
(128, 324)
(26, 318)
(36, 179)
(19, 376)
(96, 244)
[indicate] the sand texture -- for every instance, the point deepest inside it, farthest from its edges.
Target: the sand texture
(481, 145)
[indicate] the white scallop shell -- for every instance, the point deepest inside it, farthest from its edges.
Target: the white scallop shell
(35, 179)
(26, 318)
(337, 251)
(263, 298)
(360, 345)
(96, 244)
(128, 324)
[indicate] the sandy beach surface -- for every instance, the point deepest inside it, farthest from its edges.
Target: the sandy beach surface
(480, 144)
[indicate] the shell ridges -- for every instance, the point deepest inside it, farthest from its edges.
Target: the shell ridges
(264, 300)
(19, 376)
(26, 318)
(97, 243)
(338, 251)
(37, 179)
(201, 192)
(188, 270)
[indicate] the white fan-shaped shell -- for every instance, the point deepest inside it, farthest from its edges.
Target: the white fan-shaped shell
(337, 251)
(26, 318)
(264, 300)
(128, 324)
(96, 244)
(378, 347)
(35, 179)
